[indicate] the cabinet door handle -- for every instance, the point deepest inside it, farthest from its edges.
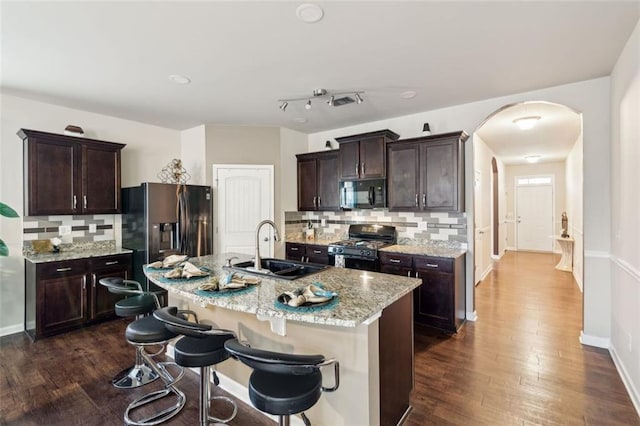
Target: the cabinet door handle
(294, 249)
(363, 168)
(394, 260)
(84, 201)
(63, 269)
(75, 202)
(315, 201)
(432, 265)
(319, 201)
(424, 199)
(115, 262)
(84, 283)
(417, 274)
(317, 252)
(417, 202)
(357, 168)
(93, 280)
(409, 274)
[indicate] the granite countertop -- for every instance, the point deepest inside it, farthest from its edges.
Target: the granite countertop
(321, 241)
(80, 251)
(434, 249)
(361, 294)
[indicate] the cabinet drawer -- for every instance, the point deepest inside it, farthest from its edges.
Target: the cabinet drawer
(295, 250)
(114, 261)
(433, 263)
(316, 250)
(59, 269)
(395, 259)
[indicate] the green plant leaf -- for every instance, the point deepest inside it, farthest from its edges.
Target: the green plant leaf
(4, 250)
(7, 211)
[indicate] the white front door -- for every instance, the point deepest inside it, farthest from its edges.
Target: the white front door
(244, 197)
(534, 217)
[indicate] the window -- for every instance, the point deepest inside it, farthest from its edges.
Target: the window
(537, 180)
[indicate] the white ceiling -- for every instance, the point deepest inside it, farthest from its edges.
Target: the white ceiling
(114, 58)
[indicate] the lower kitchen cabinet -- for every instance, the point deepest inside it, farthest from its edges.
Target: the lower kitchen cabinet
(440, 300)
(62, 296)
(312, 253)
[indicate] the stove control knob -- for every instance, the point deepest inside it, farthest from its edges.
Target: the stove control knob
(339, 250)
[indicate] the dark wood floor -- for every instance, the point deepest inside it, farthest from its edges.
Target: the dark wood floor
(520, 364)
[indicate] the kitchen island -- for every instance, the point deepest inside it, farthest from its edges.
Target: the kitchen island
(369, 330)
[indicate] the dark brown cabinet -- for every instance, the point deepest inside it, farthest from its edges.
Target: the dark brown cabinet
(313, 253)
(440, 300)
(427, 173)
(363, 156)
(318, 181)
(70, 175)
(62, 296)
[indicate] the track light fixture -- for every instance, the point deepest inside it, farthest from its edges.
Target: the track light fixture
(333, 99)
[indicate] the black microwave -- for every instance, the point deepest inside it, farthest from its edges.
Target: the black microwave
(363, 194)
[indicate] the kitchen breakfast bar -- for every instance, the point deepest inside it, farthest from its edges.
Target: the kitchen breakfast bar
(368, 328)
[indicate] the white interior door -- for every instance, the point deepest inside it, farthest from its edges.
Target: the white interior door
(244, 197)
(534, 217)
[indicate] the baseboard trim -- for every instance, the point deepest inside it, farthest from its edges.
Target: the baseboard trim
(472, 316)
(11, 329)
(626, 379)
(599, 342)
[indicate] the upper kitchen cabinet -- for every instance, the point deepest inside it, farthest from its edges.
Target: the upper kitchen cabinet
(70, 175)
(318, 180)
(427, 173)
(363, 156)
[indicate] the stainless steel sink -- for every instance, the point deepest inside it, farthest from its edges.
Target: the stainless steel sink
(278, 268)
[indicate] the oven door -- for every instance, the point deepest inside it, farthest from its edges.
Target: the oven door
(372, 265)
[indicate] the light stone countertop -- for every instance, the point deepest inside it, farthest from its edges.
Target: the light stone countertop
(434, 250)
(80, 251)
(361, 294)
(322, 241)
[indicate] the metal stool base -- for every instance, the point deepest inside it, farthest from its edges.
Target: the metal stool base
(206, 374)
(133, 377)
(161, 416)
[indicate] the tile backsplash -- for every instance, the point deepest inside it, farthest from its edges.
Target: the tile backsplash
(46, 227)
(411, 227)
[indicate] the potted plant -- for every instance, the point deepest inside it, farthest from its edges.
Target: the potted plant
(6, 211)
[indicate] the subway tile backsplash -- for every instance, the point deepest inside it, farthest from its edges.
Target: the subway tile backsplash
(46, 227)
(412, 228)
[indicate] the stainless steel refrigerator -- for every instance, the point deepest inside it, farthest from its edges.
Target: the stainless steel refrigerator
(160, 219)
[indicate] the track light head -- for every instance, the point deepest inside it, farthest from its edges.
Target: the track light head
(307, 106)
(284, 105)
(359, 99)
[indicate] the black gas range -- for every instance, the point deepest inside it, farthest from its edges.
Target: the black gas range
(360, 251)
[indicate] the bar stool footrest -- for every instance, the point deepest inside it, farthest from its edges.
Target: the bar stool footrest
(228, 400)
(158, 417)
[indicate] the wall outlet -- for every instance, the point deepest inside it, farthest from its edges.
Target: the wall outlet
(64, 230)
(93, 228)
(323, 222)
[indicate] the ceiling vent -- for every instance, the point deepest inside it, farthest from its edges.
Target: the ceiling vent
(343, 101)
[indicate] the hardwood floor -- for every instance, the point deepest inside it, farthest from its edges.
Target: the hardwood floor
(521, 363)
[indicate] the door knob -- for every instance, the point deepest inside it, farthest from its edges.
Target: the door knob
(266, 239)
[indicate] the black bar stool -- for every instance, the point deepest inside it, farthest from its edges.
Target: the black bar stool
(202, 347)
(284, 384)
(138, 304)
(148, 331)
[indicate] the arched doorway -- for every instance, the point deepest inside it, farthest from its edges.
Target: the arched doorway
(500, 151)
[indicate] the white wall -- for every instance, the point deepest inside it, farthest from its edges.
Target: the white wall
(193, 148)
(590, 97)
(555, 169)
(573, 177)
(483, 206)
(148, 149)
(624, 225)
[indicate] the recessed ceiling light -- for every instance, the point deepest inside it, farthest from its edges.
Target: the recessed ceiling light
(179, 79)
(309, 13)
(526, 123)
(532, 158)
(409, 94)
(300, 120)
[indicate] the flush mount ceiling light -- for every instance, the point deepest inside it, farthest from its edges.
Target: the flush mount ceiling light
(532, 158)
(309, 13)
(526, 123)
(179, 79)
(333, 99)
